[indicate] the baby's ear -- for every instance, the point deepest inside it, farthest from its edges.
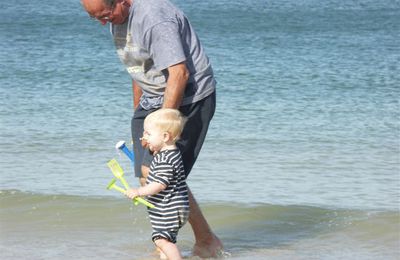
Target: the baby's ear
(167, 137)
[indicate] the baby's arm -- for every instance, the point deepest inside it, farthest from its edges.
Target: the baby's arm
(149, 189)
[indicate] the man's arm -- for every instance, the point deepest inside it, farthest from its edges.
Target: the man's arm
(178, 76)
(137, 93)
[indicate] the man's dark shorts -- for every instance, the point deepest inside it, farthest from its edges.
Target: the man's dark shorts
(198, 116)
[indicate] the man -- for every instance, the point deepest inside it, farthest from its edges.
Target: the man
(169, 69)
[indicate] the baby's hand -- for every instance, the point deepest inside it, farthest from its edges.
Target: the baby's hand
(132, 193)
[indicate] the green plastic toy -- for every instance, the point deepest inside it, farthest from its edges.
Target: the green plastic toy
(119, 174)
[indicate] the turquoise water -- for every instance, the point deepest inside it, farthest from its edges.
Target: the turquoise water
(307, 119)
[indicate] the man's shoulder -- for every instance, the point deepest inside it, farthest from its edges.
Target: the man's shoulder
(154, 5)
(153, 12)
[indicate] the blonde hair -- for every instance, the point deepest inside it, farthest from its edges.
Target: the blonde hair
(167, 120)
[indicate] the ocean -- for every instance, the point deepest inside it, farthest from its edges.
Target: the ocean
(302, 159)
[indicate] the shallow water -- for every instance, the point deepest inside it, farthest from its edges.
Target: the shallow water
(307, 115)
(79, 227)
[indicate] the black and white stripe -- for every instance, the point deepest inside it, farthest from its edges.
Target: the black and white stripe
(171, 204)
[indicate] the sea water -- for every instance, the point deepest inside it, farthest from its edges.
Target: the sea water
(302, 159)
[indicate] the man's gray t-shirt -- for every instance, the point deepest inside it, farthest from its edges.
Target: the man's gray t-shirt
(160, 36)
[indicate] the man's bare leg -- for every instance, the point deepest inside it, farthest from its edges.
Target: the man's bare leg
(145, 172)
(207, 243)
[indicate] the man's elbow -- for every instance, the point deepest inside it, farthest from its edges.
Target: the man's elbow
(186, 73)
(179, 72)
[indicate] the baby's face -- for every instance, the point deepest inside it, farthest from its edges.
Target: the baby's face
(154, 138)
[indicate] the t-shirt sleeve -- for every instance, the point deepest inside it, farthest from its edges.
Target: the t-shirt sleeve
(164, 43)
(163, 173)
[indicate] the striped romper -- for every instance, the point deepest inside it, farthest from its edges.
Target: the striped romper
(171, 209)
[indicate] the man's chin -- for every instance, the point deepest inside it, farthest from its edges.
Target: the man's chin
(118, 21)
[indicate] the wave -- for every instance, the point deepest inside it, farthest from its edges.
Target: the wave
(245, 229)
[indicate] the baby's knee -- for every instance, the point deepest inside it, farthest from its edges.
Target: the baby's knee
(161, 242)
(167, 236)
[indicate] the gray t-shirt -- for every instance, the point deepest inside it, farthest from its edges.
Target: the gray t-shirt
(158, 35)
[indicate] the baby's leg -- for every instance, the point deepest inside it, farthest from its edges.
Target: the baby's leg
(161, 254)
(169, 249)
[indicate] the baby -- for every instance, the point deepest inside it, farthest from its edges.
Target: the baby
(165, 185)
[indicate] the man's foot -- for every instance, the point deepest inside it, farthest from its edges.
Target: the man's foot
(210, 248)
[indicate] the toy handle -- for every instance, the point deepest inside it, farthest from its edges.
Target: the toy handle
(136, 200)
(143, 201)
(124, 182)
(121, 146)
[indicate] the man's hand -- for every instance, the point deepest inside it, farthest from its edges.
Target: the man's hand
(137, 93)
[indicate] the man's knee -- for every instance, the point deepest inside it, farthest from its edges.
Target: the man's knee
(145, 173)
(142, 181)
